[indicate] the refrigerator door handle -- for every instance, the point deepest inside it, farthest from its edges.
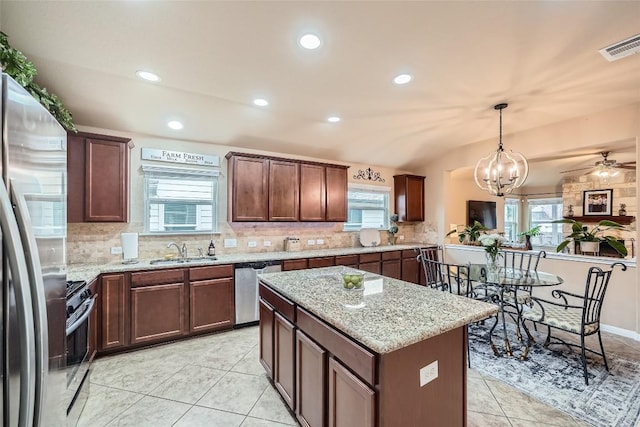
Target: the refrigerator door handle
(24, 308)
(38, 300)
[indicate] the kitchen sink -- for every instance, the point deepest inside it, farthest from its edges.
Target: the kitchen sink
(164, 261)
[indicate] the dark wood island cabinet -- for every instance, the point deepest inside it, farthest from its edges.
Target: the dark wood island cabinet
(336, 362)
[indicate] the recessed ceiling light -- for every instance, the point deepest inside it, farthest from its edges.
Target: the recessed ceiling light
(309, 41)
(175, 125)
(333, 119)
(260, 102)
(147, 75)
(402, 79)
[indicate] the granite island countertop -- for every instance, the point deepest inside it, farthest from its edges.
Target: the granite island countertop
(89, 272)
(386, 315)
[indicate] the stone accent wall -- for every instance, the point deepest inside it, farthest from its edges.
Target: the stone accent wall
(624, 191)
(92, 242)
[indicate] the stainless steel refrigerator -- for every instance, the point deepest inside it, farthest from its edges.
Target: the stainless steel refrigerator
(33, 232)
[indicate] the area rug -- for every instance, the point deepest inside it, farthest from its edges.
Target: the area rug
(554, 376)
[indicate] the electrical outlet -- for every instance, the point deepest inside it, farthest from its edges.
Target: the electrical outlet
(320, 241)
(401, 237)
(311, 242)
(252, 244)
(116, 250)
(266, 243)
(230, 243)
(428, 373)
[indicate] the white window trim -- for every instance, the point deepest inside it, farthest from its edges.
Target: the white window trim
(171, 171)
(532, 202)
(368, 187)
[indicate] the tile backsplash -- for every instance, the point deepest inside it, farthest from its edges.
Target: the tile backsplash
(89, 243)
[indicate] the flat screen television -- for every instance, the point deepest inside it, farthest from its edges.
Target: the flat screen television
(483, 212)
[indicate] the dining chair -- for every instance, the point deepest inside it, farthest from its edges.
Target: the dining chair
(452, 278)
(574, 313)
(523, 262)
(430, 253)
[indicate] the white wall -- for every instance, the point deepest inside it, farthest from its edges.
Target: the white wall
(591, 131)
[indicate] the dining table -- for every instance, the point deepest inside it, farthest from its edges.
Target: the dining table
(510, 289)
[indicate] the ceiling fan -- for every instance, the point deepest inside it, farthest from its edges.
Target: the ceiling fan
(606, 167)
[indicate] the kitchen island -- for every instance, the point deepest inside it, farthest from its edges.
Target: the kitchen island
(390, 354)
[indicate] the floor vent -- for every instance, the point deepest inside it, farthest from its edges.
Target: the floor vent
(621, 49)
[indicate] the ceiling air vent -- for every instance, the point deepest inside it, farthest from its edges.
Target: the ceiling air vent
(621, 49)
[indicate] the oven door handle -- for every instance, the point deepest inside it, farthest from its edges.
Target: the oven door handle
(75, 325)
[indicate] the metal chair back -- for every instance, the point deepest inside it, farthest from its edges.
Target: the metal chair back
(451, 278)
(431, 253)
(595, 290)
(522, 260)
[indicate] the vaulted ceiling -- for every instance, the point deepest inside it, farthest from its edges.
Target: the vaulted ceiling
(214, 58)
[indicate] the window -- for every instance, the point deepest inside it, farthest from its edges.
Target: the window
(542, 212)
(368, 207)
(180, 201)
(511, 219)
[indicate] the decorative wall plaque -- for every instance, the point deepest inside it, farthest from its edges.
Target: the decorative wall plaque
(368, 174)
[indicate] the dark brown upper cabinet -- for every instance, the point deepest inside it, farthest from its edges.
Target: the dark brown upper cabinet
(409, 197)
(336, 194)
(98, 178)
(284, 179)
(312, 192)
(276, 189)
(249, 181)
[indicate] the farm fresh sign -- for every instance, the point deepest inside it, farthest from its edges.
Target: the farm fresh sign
(179, 157)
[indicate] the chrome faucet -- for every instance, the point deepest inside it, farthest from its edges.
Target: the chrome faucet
(183, 250)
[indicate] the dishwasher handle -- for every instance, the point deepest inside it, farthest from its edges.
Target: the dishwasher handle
(258, 265)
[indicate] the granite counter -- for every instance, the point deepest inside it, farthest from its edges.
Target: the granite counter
(387, 314)
(89, 272)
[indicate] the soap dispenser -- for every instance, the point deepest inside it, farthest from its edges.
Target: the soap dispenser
(212, 249)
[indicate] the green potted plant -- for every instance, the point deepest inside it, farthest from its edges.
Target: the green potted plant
(470, 233)
(393, 229)
(590, 239)
(15, 63)
(532, 232)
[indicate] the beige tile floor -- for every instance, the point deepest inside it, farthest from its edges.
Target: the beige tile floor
(217, 381)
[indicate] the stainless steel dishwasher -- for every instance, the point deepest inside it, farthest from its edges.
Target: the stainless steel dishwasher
(246, 283)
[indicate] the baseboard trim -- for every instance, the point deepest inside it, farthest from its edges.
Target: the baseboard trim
(619, 331)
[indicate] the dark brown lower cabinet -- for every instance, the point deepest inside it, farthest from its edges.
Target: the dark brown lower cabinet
(392, 268)
(370, 262)
(371, 267)
(311, 374)
(351, 402)
(113, 312)
(347, 260)
(322, 262)
(294, 264)
(284, 339)
(157, 312)
(211, 305)
(266, 337)
(410, 266)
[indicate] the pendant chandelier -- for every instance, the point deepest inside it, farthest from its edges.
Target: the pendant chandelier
(500, 172)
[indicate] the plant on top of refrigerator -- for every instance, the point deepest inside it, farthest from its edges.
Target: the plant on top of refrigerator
(16, 64)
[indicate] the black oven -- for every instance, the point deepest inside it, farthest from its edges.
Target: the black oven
(80, 303)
